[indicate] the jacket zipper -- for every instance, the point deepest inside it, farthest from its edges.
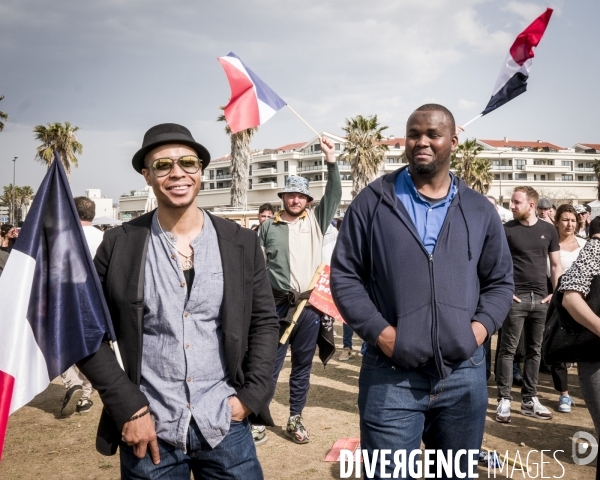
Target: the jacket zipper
(436, 346)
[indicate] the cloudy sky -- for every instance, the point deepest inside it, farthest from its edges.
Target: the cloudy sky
(115, 68)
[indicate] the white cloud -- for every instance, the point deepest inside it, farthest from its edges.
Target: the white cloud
(467, 104)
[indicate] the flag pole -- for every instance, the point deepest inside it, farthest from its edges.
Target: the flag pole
(471, 121)
(305, 122)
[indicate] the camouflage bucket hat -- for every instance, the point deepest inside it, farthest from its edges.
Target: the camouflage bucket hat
(296, 184)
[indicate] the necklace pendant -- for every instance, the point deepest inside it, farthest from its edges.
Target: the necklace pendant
(187, 264)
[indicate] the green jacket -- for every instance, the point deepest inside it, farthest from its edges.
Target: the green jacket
(293, 250)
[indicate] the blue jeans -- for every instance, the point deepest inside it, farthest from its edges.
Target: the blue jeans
(347, 336)
(400, 407)
(234, 458)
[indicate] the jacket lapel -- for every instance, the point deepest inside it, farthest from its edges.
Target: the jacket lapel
(232, 313)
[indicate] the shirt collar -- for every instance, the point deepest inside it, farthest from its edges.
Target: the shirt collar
(416, 196)
(278, 218)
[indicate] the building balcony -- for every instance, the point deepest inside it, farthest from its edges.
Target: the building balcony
(502, 167)
(262, 172)
(225, 176)
(264, 185)
(547, 168)
(584, 169)
(312, 168)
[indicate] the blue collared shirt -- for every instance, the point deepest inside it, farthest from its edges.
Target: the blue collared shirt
(428, 219)
(183, 362)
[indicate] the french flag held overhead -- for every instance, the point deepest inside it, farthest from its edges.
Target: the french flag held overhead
(252, 100)
(512, 80)
(53, 308)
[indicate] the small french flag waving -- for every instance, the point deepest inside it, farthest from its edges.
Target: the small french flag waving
(252, 100)
(512, 80)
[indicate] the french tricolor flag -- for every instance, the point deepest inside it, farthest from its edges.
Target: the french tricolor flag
(252, 100)
(53, 308)
(512, 80)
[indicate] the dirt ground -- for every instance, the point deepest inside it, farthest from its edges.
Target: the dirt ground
(40, 444)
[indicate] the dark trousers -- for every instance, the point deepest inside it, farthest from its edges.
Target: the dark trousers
(303, 343)
(529, 318)
(559, 377)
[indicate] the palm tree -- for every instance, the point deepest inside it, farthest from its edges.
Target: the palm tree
(60, 137)
(596, 168)
(481, 175)
(3, 116)
(240, 162)
(475, 171)
(363, 150)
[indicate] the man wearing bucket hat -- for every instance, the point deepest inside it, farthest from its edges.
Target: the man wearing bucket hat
(292, 241)
(195, 324)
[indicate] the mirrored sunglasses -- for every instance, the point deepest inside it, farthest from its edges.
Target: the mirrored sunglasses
(163, 166)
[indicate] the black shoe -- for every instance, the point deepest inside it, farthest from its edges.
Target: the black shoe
(84, 405)
(70, 400)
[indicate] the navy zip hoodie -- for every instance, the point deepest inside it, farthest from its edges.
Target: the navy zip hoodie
(382, 275)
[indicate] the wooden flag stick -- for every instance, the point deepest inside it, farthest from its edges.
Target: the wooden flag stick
(301, 305)
(472, 120)
(305, 122)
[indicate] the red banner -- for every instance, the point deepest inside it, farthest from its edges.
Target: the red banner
(321, 299)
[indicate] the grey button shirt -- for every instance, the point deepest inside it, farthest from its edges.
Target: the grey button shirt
(183, 362)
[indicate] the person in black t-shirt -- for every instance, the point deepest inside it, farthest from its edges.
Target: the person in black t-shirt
(531, 242)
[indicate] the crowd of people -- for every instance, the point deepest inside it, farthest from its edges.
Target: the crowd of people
(206, 311)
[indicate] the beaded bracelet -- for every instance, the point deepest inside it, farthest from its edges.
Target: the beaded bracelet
(140, 415)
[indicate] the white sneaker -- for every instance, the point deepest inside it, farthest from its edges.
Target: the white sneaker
(503, 411)
(534, 408)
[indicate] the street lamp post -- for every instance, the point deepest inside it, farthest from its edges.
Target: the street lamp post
(14, 193)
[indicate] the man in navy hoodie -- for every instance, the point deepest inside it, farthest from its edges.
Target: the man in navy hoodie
(422, 272)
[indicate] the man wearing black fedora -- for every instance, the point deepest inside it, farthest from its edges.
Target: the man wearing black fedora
(195, 324)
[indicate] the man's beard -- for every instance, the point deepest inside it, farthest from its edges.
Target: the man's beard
(433, 166)
(524, 215)
(293, 214)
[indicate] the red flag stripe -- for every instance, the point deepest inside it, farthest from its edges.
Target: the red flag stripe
(522, 48)
(242, 111)
(7, 384)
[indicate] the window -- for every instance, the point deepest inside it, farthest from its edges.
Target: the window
(250, 184)
(345, 177)
(250, 171)
(285, 177)
(496, 176)
(520, 164)
(202, 186)
(212, 175)
(543, 177)
(220, 185)
(337, 147)
(534, 177)
(390, 160)
(567, 177)
(520, 176)
(565, 163)
(580, 165)
(580, 178)
(286, 166)
(509, 176)
(212, 186)
(219, 172)
(316, 148)
(590, 178)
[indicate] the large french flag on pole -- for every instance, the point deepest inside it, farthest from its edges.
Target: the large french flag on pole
(252, 100)
(512, 80)
(53, 308)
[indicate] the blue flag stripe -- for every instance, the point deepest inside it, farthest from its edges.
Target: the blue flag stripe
(67, 311)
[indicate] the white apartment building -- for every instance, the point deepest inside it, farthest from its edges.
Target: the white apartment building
(558, 172)
(104, 206)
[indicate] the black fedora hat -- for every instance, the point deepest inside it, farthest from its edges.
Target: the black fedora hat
(164, 134)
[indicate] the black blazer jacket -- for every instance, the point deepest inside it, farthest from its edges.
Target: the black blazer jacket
(249, 322)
